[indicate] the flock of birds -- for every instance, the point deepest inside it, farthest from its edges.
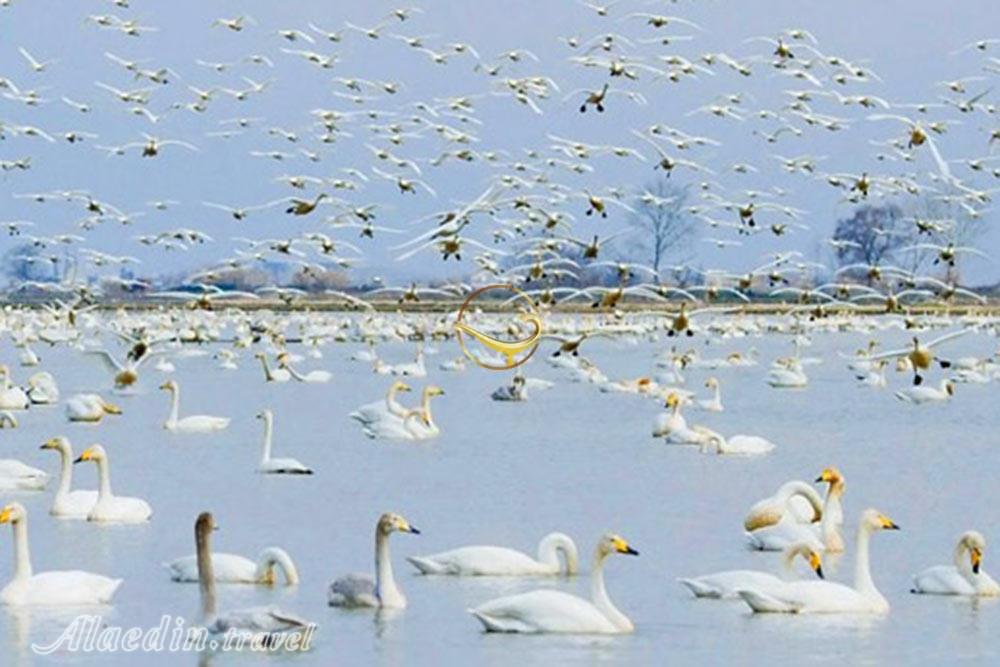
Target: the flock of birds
(536, 222)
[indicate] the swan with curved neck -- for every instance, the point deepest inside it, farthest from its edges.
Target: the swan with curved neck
(280, 465)
(789, 531)
(373, 412)
(796, 498)
(964, 577)
(824, 597)
(424, 427)
(234, 569)
(256, 622)
(671, 421)
(713, 404)
(361, 590)
(555, 550)
(11, 397)
(192, 424)
(550, 611)
(89, 408)
(726, 584)
(109, 507)
(273, 375)
(68, 504)
(70, 588)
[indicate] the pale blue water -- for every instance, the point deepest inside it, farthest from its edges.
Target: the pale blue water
(570, 459)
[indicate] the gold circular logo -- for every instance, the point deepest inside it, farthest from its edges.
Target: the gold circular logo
(515, 352)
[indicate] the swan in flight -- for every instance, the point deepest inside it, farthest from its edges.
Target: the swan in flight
(269, 465)
(89, 408)
(501, 561)
(234, 569)
(68, 504)
(125, 374)
(280, 374)
(17, 476)
(965, 577)
(726, 584)
(361, 590)
(255, 623)
(790, 531)
(796, 500)
(67, 588)
(109, 507)
(192, 424)
(713, 404)
(825, 597)
(918, 394)
(550, 611)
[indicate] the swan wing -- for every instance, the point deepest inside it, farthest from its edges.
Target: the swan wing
(227, 567)
(62, 588)
(542, 611)
(258, 619)
(817, 597)
(726, 584)
(353, 590)
(480, 561)
(941, 580)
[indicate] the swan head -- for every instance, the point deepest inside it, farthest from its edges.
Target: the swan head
(873, 520)
(399, 385)
(110, 408)
(949, 387)
(810, 555)
(266, 415)
(93, 453)
(60, 443)
(433, 390)
(169, 385)
(13, 513)
(830, 475)
(390, 522)
(614, 544)
(711, 383)
(974, 542)
(673, 400)
(205, 523)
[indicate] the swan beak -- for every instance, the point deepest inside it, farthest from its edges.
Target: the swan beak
(5, 515)
(888, 524)
(816, 563)
(164, 386)
(112, 409)
(976, 556)
(49, 444)
(85, 456)
(622, 547)
(412, 529)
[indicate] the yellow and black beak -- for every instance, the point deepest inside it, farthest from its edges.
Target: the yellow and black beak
(85, 456)
(888, 524)
(5, 514)
(412, 529)
(623, 547)
(976, 556)
(816, 564)
(49, 444)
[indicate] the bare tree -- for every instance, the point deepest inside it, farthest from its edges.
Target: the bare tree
(665, 228)
(873, 235)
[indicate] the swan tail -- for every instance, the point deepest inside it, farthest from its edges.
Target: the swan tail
(753, 542)
(426, 566)
(491, 624)
(763, 603)
(699, 589)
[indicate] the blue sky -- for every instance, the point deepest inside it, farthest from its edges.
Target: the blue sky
(906, 43)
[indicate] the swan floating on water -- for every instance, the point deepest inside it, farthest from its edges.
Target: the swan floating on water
(192, 424)
(255, 623)
(516, 391)
(89, 408)
(796, 499)
(269, 465)
(373, 412)
(234, 569)
(726, 584)
(66, 588)
(361, 590)
(918, 394)
(109, 507)
(42, 389)
(279, 374)
(68, 504)
(713, 404)
(790, 531)
(12, 397)
(17, 476)
(501, 561)
(550, 611)
(825, 597)
(965, 577)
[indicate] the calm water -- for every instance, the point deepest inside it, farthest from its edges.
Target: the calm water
(570, 459)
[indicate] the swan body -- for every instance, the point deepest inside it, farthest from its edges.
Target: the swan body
(17, 476)
(11, 397)
(89, 408)
(824, 597)
(964, 577)
(68, 504)
(234, 569)
(110, 508)
(550, 611)
(192, 424)
(713, 404)
(312, 377)
(726, 584)
(501, 561)
(739, 445)
(516, 391)
(362, 590)
(279, 374)
(271, 465)
(788, 531)
(72, 588)
(790, 375)
(42, 389)
(796, 499)
(453, 365)
(922, 394)
(374, 412)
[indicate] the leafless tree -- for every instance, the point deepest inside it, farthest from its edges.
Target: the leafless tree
(664, 226)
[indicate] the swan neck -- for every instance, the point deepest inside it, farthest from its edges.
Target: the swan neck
(385, 585)
(265, 454)
(862, 570)
(274, 557)
(206, 571)
(65, 473)
(599, 595)
(22, 555)
(175, 404)
(391, 404)
(550, 548)
(103, 479)
(267, 368)
(962, 563)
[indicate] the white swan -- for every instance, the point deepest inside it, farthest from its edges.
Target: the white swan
(796, 499)
(68, 588)
(924, 394)
(226, 359)
(7, 418)
(414, 369)
(672, 420)
(824, 597)
(424, 427)
(17, 476)
(42, 389)
(262, 624)
(965, 577)
(368, 355)
(89, 408)
(269, 465)
(550, 611)
(68, 504)
(726, 584)
(11, 396)
(192, 424)
(790, 531)
(234, 569)
(501, 561)
(125, 374)
(739, 445)
(713, 404)
(516, 391)
(453, 365)
(361, 590)
(377, 410)
(109, 507)
(313, 377)
(276, 375)
(787, 373)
